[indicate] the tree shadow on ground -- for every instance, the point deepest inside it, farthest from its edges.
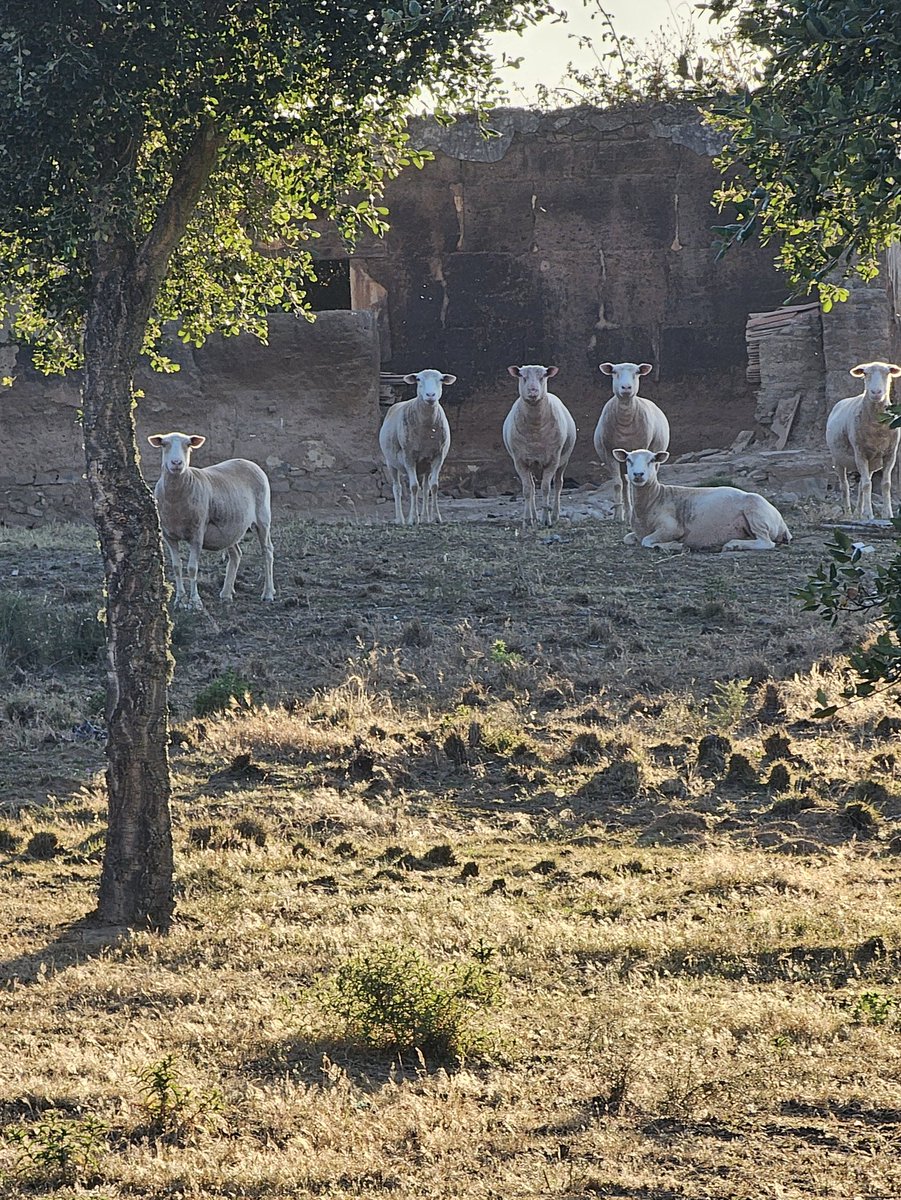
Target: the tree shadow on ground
(73, 944)
(327, 1062)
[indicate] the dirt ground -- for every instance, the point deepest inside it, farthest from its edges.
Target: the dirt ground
(421, 615)
(590, 771)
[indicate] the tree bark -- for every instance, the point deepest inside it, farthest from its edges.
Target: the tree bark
(136, 886)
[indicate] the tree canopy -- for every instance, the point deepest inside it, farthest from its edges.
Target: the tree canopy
(301, 105)
(819, 139)
(168, 160)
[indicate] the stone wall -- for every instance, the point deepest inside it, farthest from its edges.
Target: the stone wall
(569, 238)
(305, 408)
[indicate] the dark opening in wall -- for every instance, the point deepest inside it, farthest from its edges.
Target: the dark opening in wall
(332, 288)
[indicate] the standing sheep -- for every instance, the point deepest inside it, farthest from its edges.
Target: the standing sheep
(539, 434)
(860, 438)
(627, 421)
(696, 518)
(210, 508)
(414, 439)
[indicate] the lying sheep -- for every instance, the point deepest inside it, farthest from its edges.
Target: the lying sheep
(696, 518)
(539, 433)
(629, 421)
(860, 439)
(414, 439)
(210, 508)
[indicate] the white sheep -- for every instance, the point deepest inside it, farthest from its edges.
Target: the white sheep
(860, 438)
(415, 439)
(627, 421)
(696, 518)
(210, 508)
(539, 433)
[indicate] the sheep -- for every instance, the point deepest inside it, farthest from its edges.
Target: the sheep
(539, 433)
(415, 439)
(860, 439)
(698, 518)
(630, 421)
(210, 508)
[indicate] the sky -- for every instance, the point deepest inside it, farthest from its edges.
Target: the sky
(547, 48)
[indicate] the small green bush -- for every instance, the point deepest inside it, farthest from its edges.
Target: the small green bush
(228, 690)
(391, 997)
(875, 1008)
(171, 1106)
(57, 1150)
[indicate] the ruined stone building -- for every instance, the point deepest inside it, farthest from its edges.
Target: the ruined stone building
(571, 238)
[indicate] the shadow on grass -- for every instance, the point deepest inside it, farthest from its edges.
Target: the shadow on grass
(326, 1062)
(74, 943)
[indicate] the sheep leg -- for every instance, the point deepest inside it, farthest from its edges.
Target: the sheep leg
(175, 559)
(618, 481)
(865, 492)
(760, 528)
(415, 491)
(846, 491)
(397, 488)
(758, 543)
(888, 467)
(432, 499)
(665, 537)
(264, 535)
(558, 490)
(529, 511)
(193, 602)
(234, 561)
(547, 509)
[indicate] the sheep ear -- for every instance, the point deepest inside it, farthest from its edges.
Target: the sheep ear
(605, 368)
(858, 370)
(551, 372)
(156, 439)
(414, 379)
(661, 456)
(894, 371)
(197, 441)
(620, 455)
(514, 371)
(447, 380)
(645, 368)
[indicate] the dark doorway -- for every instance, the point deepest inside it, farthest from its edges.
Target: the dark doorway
(331, 290)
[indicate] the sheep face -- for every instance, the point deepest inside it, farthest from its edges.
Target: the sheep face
(625, 377)
(429, 383)
(641, 465)
(176, 448)
(532, 381)
(877, 377)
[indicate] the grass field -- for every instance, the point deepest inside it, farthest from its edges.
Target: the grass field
(562, 803)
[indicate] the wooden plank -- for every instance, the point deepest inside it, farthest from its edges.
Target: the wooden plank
(784, 417)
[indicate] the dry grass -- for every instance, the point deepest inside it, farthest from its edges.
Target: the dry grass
(478, 748)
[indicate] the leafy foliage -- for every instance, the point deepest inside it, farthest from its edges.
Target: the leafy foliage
(844, 583)
(391, 997)
(818, 141)
(304, 102)
(57, 1149)
(228, 690)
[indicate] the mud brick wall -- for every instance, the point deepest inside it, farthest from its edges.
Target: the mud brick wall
(305, 408)
(570, 238)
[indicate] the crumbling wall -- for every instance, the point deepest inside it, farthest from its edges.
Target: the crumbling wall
(305, 408)
(570, 238)
(862, 329)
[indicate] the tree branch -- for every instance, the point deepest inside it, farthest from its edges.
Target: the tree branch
(172, 219)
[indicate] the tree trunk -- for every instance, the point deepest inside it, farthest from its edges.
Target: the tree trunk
(136, 887)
